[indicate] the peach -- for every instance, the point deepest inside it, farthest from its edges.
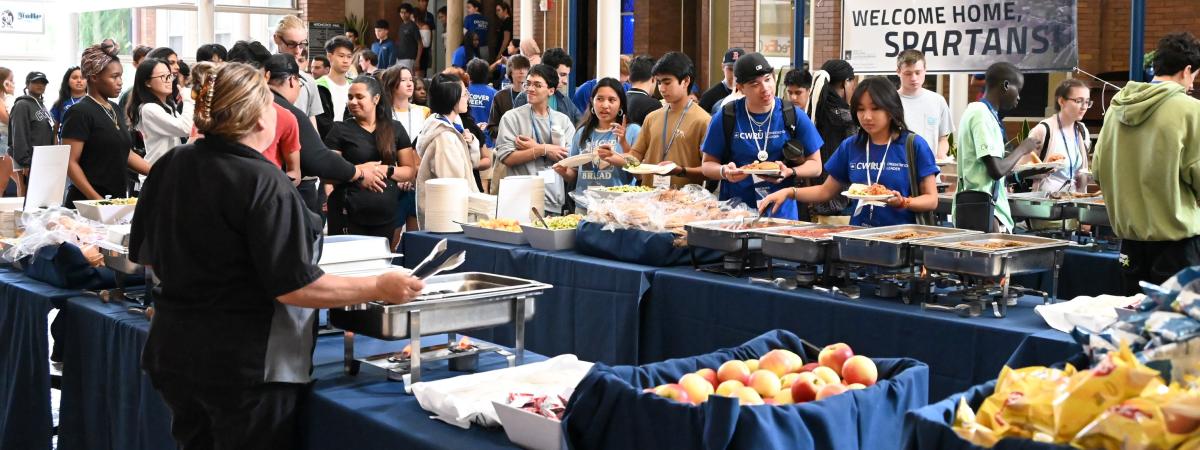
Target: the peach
(752, 364)
(710, 375)
(861, 370)
(673, 391)
(784, 397)
(786, 381)
(729, 388)
(765, 382)
(781, 362)
(809, 367)
(748, 396)
(698, 389)
(733, 370)
(806, 386)
(855, 386)
(834, 355)
(831, 390)
(827, 374)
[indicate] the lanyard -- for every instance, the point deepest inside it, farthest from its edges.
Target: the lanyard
(456, 126)
(1071, 158)
(537, 131)
(996, 113)
(675, 133)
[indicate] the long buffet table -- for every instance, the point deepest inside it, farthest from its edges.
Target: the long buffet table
(108, 402)
(600, 310)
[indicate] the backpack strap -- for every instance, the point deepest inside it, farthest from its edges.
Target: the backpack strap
(729, 120)
(914, 183)
(1045, 141)
(789, 117)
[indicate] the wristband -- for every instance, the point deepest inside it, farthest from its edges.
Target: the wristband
(722, 172)
(391, 171)
(682, 171)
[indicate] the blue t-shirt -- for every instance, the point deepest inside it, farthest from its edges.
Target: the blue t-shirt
(58, 114)
(591, 175)
(480, 105)
(476, 23)
(744, 151)
(849, 165)
(385, 53)
(460, 58)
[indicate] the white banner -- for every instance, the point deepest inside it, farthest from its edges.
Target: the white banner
(22, 17)
(960, 35)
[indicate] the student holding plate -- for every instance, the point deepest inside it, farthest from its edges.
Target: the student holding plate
(883, 152)
(761, 130)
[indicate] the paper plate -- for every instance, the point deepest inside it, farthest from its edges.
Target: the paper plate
(869, 198)
(1057, 165)
(767, 172)
(576, 161)
(651, 169)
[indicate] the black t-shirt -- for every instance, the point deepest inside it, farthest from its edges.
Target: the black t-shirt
(227, 234)
(640, 105)
(713, 95)
(505, 25)
(358, 145)
(105, 156)
(315, 158)
(408, 41)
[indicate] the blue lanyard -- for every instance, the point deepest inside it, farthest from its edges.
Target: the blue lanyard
(1071, 159)
(674, 134)
(456, 126)
(996, 113)
(537, 131)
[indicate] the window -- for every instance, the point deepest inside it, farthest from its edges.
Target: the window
(115, 24)
(177, 29)
(258, 3)
(775, 28)
(627, 23)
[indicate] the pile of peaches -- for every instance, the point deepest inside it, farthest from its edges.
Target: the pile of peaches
(779, 377)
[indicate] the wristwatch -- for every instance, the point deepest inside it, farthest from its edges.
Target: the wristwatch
(391, 171)
(682, 171)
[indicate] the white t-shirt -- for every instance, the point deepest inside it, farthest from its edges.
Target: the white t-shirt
(413, 120)
(928, 115)
(338, 94)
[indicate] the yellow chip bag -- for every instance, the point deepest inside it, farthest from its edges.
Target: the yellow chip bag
(1134, 423)
(1119, 376)
(1022, 404)
(969, 429)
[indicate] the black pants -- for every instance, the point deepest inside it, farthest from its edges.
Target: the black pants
(203, 418)
(1155, 261)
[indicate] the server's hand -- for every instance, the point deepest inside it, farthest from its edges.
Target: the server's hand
(398, 287)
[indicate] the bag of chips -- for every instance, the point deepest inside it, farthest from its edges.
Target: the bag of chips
(1117, 377)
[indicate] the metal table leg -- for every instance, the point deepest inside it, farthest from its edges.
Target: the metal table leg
(414, 333)
(519, 323)
(350, 364)
(1059, 255)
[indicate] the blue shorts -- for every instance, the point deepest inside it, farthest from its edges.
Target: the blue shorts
(408, 207)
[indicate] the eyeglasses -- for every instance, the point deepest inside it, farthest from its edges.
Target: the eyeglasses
(1085, 103)
(528, 84)
(290, 44)
(166, 78)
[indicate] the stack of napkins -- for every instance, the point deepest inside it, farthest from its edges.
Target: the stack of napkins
(1090, 313)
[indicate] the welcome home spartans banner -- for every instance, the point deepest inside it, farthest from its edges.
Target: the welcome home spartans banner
(961, 35)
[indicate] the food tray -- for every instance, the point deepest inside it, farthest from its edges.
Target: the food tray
(803, 249)
(544, 239)
(712, 234)
(105, 214)
(1093, 211)
(868, 246)
(449, 303)
(118, 261)
(1038, 205)
(488, 234)
(947, 254)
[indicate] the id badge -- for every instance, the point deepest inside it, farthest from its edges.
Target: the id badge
(549, 176)
(662, 181)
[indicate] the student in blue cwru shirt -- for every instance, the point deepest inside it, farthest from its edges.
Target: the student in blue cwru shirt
(761, 131)
(881, 152)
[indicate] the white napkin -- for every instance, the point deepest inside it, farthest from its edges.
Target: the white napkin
(1090, 313)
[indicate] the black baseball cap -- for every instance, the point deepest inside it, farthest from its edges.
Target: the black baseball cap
(381, 24)
(282, 64)
(35, 77)
(732, 55)
(750, 66)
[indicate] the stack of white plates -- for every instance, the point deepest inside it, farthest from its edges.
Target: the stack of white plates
(10, 214)
(482, 205)
(445, 204)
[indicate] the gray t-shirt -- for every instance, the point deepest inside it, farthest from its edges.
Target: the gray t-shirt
(928, 115)
(309, 99)
(556, 126)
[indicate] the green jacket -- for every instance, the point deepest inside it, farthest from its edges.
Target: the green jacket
(1147, 160)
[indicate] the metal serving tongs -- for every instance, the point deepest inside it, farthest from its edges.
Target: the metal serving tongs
(439, 260)
(541, 219)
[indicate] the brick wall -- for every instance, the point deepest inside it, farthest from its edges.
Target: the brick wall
(323, 10)
(742, 16)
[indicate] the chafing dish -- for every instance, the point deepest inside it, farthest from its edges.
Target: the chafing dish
(1041, 206)
(945, 204)
(777, 243)
(995, 256)
(115, 251)
(449, 303)
(732, 235)
(878, 247)
(1093, 211)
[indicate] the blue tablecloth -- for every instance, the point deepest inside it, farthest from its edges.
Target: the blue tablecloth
(108, 402)
(609, 409)
(690, 313)
(1083, 273)
(25, 420)
(592, 312)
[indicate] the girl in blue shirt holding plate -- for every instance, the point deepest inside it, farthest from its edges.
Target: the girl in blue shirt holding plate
(877, 154)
